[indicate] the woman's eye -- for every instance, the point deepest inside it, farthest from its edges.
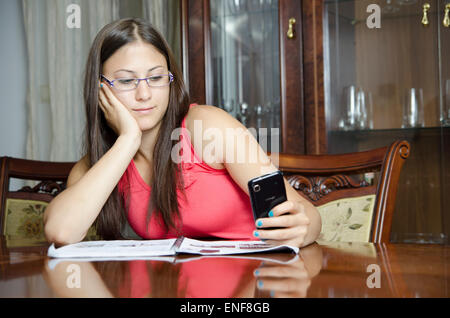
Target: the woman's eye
(156, 78)
(126, 81)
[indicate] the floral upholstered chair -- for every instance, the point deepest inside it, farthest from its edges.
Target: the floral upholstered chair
(24, 219)
(354, 193)
(22, 211)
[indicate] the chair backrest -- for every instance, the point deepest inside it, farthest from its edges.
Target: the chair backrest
(324, 178)
(29, 202)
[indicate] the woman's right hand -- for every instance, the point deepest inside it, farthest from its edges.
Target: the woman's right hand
(116, 114)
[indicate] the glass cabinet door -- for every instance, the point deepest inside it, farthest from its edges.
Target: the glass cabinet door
(246, 57)
(245, 63)
(385, 79)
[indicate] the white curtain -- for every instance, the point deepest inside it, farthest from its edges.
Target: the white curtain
(56, 58)
(166, 18)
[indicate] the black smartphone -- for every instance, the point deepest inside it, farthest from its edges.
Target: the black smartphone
(266, 192)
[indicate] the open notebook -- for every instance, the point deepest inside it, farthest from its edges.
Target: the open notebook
(145, 248)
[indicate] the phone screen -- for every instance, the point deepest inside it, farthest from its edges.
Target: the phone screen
(266, 192)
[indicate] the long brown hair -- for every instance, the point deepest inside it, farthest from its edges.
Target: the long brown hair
(99, 137)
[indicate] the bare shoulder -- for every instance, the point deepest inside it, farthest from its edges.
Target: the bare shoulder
(210, 117)
(205, 124)
(203, 111)
(78, 171)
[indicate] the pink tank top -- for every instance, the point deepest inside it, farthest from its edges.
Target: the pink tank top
(215, 207)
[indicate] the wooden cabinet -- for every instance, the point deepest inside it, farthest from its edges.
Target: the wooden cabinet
(249, 30)
(343, 86)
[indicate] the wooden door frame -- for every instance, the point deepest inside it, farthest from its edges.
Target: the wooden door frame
(195, 46)
(313, 76)
(291, 69)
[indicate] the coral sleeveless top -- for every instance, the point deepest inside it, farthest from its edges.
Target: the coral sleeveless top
(214, 206)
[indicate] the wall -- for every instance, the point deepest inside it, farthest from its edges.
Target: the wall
(13, 80)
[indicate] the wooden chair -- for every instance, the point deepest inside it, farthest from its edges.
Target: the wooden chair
(29, 202)
(326, 178)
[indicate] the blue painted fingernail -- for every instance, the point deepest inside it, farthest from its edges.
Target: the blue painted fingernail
(256, 233)
(259, 223)
(256, 272)
(271, 214)
(101, 85)
(260, 283)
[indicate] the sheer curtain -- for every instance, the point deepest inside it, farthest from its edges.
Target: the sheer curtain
(56, 57)
(165, 16)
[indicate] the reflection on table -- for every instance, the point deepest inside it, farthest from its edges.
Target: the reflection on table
(320, 270)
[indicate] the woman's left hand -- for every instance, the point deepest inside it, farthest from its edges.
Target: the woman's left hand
(291, 220)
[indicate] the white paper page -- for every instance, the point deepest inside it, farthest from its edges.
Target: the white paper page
(52, 263)
(285, 258)
(114, 249)
(228, 247)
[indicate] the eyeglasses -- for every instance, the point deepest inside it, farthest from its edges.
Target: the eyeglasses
(129, 84)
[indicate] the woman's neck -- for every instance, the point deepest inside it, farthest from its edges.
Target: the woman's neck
(148, 142)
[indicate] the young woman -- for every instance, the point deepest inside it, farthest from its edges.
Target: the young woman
(135, 100)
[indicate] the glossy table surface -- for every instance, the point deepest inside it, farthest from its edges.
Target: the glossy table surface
(320, 270)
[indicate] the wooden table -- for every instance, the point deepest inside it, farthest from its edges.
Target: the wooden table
(321, 270)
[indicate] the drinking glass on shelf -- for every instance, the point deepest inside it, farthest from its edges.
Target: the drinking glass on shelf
(369, 110)
(229, 106)
(364, 113)
(243, 115)
(361, 110)
(269, 114)
(259, 117)
(413, 109)
(445, 116)
(350, 113)
(358, 109)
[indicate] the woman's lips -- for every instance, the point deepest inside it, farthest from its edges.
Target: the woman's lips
(143, 110)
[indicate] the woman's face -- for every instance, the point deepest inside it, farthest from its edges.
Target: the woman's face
(139, 60)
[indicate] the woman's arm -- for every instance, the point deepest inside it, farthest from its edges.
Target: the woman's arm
(239, 152)
(70, 214)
